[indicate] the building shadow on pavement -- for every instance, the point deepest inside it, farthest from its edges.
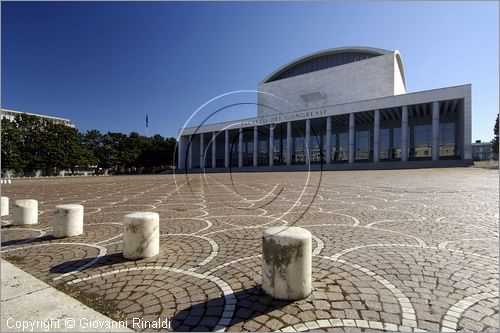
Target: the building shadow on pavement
(106, 260)
(204, 317)
(24, 241)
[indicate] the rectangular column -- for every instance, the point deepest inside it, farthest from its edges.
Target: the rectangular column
(328, 156)
(404, 133)
(226, 148)
(376, 136)
(351, 138)
(308, 141)
(240, 148)
(181, 152)
(202, 150)
(271, 145)
(255, 146)
(435, 131)
(190, 153)
(288, 143)
(214, 154)
(465, 122)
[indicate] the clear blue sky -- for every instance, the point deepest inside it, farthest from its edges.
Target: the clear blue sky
(105, 65)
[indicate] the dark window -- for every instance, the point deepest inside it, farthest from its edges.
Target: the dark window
(423, 140)
(363, 145)
(343, 152)
(447, 139)
(299, 150)
(384, 144)
(319, 63)
(396, 143)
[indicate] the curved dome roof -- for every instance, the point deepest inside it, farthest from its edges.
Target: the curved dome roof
(327, 59)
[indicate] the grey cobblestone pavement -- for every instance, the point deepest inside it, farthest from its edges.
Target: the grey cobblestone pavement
(404, 250)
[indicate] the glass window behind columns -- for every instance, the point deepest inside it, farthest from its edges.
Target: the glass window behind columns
(395, 151)
(323, 146)
(363, 145)
(248, 153)
(299, 148)
(343, 153)
(423, 141)
(384, 144)
(219, 150)
(208, 152)
(233, 152)
(447, 139)
(263, 151)
(248, 150)
(316, 148)
(276, 149)
(334, 151)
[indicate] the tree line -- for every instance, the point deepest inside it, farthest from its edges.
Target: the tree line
(33, 144)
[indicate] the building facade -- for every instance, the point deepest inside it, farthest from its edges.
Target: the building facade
(339, 107)
(11, 114)
(481, 151)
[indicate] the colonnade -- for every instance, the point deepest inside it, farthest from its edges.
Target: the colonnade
(182, 149)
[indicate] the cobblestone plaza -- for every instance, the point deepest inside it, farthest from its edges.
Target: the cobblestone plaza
(400, 250)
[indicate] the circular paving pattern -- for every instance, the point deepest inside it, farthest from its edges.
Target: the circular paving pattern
(402, 250)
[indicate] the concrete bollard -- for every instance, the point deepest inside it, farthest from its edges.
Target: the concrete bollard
(141, 235)
(68, 221)
(287, 262)
(4, 206)
(25, 212)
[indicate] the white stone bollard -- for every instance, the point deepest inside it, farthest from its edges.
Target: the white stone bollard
(141, 235)
(25, 212)
(287, 262)
(4, 206)
(68, 221)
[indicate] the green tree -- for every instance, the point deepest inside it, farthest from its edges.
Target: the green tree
(170, 154)
(11, 140)
(86, 157)
(62, 146)
(55, 147)
(132, 150)
(153, 152)
(495, 138)
(31, 142)
(101, 148)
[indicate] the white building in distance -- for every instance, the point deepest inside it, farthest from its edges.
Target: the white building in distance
(11, 114)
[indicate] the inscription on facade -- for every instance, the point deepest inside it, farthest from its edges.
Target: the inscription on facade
(279, 118)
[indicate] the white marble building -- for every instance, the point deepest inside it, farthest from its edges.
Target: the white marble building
(342, 108)
(11, 115)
